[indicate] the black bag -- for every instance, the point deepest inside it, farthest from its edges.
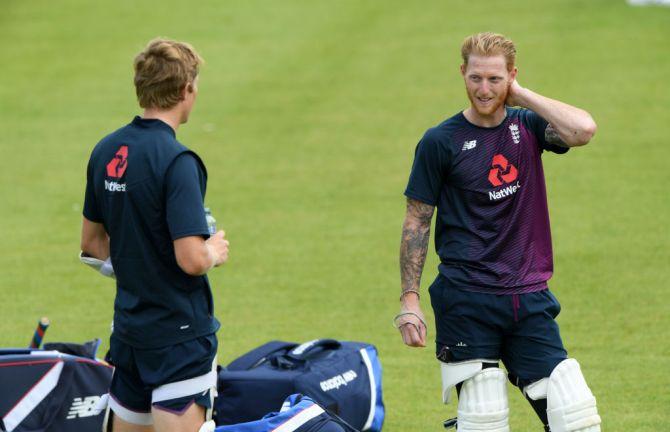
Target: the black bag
(343, 377)
(44, 390)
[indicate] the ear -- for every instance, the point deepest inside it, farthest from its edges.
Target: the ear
(513, 73)
(463, 70)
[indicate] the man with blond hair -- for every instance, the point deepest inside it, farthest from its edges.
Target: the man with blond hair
(482, 169)
(144, 215)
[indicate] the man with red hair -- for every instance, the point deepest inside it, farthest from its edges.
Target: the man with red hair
(482, 169)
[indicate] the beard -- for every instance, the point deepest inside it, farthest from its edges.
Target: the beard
(489, 108)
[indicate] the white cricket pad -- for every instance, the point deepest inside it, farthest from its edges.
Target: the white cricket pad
(208, 426)
(456, 373)
(482, 403)
(571, 407)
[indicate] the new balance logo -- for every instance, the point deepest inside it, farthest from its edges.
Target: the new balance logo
(516, 135)
(338, 381)
(83, 407)
(469, 145)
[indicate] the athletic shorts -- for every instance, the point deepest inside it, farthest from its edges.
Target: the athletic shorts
(171, 378)
(518, 329)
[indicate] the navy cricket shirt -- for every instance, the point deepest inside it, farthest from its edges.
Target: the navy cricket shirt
(148, 190)
(492, 227)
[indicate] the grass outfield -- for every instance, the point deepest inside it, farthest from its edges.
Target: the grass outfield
(307, 119)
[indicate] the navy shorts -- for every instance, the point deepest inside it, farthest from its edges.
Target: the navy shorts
(169, 378)
(518, 329)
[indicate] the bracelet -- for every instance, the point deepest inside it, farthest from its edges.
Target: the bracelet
(418, 294)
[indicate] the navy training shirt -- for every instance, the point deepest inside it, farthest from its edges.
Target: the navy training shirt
(492, 229)
(148, 190)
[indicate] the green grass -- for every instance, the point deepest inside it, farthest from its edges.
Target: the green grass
(307, 119)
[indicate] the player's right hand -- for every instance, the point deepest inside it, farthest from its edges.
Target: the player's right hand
(219, 246)
(411, 324)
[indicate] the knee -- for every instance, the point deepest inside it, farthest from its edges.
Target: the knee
(571, 406)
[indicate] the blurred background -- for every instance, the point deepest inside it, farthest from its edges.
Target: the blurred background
(307, 119)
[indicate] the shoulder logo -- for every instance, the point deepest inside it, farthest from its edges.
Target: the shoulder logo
(516, 135)
(469, 145)
(117, 166)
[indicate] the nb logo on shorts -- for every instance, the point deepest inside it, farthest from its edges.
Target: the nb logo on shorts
(83, 407)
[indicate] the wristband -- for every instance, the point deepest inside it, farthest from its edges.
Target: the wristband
(418, 294)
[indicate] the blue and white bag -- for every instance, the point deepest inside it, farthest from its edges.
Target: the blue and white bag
(343, 377)
(47, 390)
(298, 414)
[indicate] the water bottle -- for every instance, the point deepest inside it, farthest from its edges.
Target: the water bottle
(211, 222)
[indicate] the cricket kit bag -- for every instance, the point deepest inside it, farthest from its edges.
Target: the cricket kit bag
(48, 390)
(298, 414)
(345, 378)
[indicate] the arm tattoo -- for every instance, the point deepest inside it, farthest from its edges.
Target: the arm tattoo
(552, 137)
(414, 243)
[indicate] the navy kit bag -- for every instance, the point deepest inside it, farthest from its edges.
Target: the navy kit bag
(342, 377)
(298, 414)
(48, 390)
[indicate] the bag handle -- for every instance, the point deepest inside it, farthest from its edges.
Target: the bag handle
(304, 351)
(260, 355)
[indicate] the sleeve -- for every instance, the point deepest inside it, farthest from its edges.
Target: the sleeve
(184, 194)
(539, 125)
(91, 209)
(428, 170)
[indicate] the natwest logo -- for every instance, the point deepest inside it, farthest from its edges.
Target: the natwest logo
(502, 171)
(117, 166)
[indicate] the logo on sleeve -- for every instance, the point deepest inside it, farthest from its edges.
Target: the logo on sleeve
(116, 168)
(502, 172)
(516, 135)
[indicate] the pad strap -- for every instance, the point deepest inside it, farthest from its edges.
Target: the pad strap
(183, 388)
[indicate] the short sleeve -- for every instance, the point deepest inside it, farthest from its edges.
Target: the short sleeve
(539, 125)
(91, 209)
(428, 170)
(184, 194)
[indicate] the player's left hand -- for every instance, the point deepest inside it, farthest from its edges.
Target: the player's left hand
(513, 94)
(412, 325)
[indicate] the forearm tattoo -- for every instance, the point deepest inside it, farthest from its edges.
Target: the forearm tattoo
(552, 137)
(414, 243)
